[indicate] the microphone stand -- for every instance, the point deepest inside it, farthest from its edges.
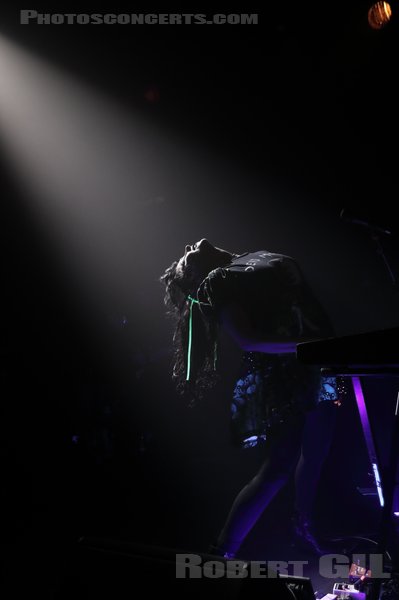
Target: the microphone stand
(390, 471)
(376, 237)
(388, 474)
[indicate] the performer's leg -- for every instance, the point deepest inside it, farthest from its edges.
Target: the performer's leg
(283, 452)
(316, 442)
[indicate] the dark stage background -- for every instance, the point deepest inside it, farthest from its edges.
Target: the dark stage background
(255, 137)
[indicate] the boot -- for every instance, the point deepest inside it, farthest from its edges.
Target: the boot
(216, 550)
(305, 537)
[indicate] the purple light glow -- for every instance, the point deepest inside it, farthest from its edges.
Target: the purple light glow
(361, 404)
(378, 484)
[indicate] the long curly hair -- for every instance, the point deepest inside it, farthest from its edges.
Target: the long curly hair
(203, 367)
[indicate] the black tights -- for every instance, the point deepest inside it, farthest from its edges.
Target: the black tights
(302, 445)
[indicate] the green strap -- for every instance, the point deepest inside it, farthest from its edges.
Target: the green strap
(190, 338)
(190, 335)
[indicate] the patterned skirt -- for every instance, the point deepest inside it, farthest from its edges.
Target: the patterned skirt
(273, 389)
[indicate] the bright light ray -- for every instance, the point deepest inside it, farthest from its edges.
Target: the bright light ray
(115, 194)
(88, 164)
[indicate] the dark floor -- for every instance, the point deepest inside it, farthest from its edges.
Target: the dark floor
(175, 495)
(48, 557)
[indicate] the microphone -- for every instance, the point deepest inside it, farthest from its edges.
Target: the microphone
(349, 217)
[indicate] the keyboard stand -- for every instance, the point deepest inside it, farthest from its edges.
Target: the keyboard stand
(384, 478)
